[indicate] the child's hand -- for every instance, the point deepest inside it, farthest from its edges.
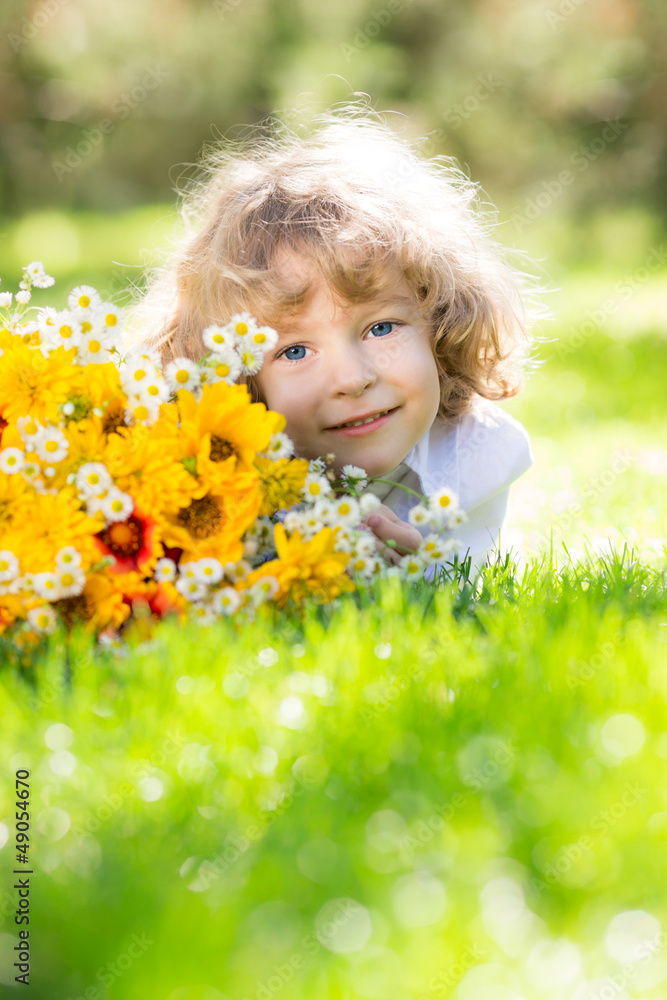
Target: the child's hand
(389, 526)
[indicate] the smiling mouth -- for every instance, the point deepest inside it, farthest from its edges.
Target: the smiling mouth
(366, 420)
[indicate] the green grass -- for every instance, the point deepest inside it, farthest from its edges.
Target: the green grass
(479, 768)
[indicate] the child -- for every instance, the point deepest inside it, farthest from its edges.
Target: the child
(389, 296)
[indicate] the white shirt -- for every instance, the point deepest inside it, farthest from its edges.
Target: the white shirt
(478, 455)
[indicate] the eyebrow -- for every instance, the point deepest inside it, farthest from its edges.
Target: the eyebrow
(383, 301)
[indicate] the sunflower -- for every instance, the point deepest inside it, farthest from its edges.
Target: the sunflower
(224, 431)
(302, 569)
(281, 482)
(33, 384)
(212, 525)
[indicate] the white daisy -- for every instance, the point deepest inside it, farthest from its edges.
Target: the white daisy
(434, 549)
(93, 478)
(354, 477)
(140, 411)
(226, 601)
(62, 329)
(9, 566)
(317, 465)
(46, 585)
(94, 347)
(236, 571)
(83, 297)
(5, 299)
(71, 581)
(29, 429)
(38, 276)
(12, 460)
(51, 445)
(419, 516)
(263, 590)
(216, 338)
(181, 373)
(348, 511)
(191, 590)
(208, 571)
(110, 317)
(265, 338)
(188, 570)
(44, 619)
(116, 505)
(443, 500)
(316, 486)
(154, 392)
(242, 324)
(457, 518)
(368, 502)
(252, 359)
(68, 558)
(223, 366)
(202, 613)
(165, 569)
(280, 446)
(30, 473)
(23, 297)
(411, 566)
(135, 373)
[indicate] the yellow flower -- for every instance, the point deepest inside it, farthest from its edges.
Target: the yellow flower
(281, 482)
(224, 431)
(46, 524)
(35, 385)
(142, 466)
(305, 568)
(101, 602)
(14, 493)
(212, 525)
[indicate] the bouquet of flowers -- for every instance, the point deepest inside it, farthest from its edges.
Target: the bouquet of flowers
(123, 486)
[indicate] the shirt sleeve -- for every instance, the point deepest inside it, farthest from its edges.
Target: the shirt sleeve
(493, 450)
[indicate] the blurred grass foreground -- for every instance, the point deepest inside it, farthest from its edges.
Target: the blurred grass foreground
(438, 792)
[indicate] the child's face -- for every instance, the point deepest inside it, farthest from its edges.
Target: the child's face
(338, 361)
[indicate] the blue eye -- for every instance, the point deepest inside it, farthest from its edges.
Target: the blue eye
(384, 328)
(294, 347)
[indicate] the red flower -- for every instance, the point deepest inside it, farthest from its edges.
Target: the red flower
(134, 543)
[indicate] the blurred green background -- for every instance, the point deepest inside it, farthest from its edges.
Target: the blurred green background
(556, 107)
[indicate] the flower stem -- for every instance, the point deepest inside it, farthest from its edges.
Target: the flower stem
(406, 488)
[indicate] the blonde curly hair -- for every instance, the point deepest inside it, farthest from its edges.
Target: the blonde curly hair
(361, 204)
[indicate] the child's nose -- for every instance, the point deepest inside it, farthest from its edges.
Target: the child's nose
(351, 375)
